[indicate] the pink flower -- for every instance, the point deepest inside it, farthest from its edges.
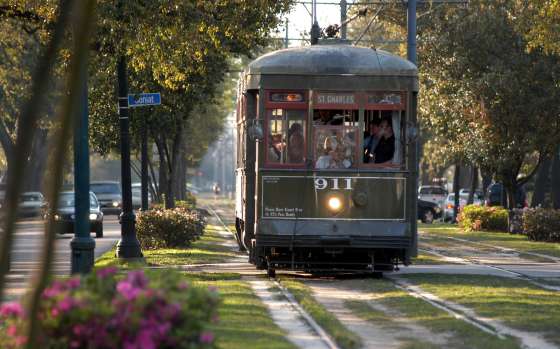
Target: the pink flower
(73, 283)
(11, 330)
(128, 290)
(66, 304)
(104, 272)
(206, 337)
(137, 278)
(11, 309)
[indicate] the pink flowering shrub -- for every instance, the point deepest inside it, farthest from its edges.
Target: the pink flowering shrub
(168, 228)
(105, 310)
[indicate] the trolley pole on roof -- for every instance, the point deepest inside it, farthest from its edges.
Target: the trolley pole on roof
(343, 10)
(315, 31)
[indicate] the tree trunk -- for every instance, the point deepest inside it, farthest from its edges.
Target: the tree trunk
(474, 184)
(541, 183)
(37, 162)
(555, 181)
(456, 189)
(486, 180)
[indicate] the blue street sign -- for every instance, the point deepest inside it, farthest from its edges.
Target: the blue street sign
(143, 99)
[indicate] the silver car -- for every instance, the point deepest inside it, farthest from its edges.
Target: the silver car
(109, 195)
(31, 204)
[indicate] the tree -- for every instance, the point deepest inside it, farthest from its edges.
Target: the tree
(493, 101)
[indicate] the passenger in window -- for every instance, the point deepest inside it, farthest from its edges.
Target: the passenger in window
(273, 152)
(385, 149)
(327, 159)
(296, 144)
(322, 117)
(371, 141)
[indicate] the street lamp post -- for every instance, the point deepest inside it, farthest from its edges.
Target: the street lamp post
(128, 246)
(82, 245)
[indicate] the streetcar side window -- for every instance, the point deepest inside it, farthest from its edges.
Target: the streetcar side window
(286, 130)
(382, 138)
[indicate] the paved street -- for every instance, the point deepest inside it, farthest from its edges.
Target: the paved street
(27, 247)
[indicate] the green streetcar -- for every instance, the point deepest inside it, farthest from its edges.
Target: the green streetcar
(326, 172)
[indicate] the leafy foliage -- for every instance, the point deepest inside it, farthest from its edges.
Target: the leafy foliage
(168, 228)
(542, 224)
(107, 310)
(485, 97)
(475, 217)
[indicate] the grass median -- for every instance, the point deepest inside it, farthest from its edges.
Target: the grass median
(455, 333)
(518, 242)
(212, 247)
(303, 294)
(516, 303)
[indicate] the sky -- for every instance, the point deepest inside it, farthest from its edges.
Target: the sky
(299, 19)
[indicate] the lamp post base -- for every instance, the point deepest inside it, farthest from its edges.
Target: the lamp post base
(83, 250)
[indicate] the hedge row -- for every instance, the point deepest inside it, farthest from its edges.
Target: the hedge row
(168, 228)
(474, 217)
(542, 224)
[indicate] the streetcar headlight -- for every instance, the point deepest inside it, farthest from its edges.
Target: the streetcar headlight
(92, 216)
(335, 204)
(115, 204)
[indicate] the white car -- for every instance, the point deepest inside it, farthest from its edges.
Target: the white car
(137, 195)
(31, 203)
(450, 204)
(432, 193)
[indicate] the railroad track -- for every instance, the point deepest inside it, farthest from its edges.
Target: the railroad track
(434, 250)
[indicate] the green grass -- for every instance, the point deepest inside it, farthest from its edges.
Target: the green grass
(244, 319)
(428, 259)
(516, 303)
(460, 335)
(515, 241)
(344, 337)
(206, 250)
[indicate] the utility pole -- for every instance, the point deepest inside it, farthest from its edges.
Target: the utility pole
(82, 245)
(286, 39)
(411, 30)
(343, 11)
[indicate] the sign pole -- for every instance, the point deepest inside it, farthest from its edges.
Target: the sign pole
(144, 169)
(128, 246)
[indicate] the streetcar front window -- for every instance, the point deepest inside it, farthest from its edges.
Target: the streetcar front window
(335, 147)
(286, 130)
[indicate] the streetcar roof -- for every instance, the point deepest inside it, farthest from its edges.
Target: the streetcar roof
(332, 60)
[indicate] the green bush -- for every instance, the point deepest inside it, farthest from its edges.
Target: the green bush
(162, 228)
(542, 224)
(474, 217)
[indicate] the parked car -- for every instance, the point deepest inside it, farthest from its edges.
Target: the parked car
(65, 214)
(428, 211)
(432, 193)
(137, 195)
(467, 191)
(463, 198)
(496, 196)
(31, 204)
(109, 195)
